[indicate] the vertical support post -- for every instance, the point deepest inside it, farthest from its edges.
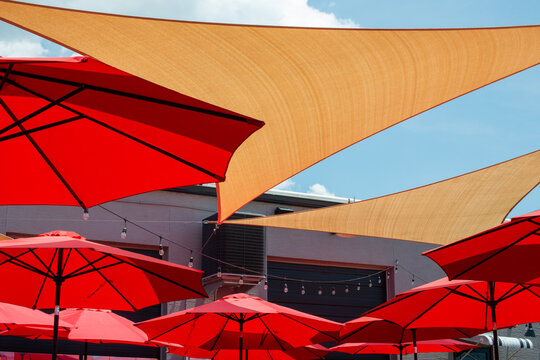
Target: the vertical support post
(414, 344)
(493, 305)
(58, 280)
(241, 340)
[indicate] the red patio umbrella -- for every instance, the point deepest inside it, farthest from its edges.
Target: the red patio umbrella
(367, 329)
(14, 317)
(464, 303)
(62, 269)
(91, 133)
(308, 352)
(428, 346)
(240, 322)
(508, 252)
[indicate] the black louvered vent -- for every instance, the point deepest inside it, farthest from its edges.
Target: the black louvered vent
(241, 245)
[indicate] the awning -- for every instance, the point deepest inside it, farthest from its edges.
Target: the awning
(506, 341)
(317, 90)
(439, 213)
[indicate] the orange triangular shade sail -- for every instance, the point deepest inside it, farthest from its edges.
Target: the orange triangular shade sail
(317, 90)
(439, 213)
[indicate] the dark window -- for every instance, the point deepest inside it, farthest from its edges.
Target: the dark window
(341, 307)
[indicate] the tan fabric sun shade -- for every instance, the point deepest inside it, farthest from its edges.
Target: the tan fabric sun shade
(317, 90)
(439, 213)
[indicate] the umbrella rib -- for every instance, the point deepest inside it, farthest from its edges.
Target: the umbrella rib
(528, 288)
(40, 110)
(496, 253)
(195, 317)
(272, 334)
(160, 150)
(142, 142)
(44, 278)
(74, 272)
(356, 331)
(79, 271)
(428, 309)
(306, 325)
(482, 299)
(6, 74)
(108, 281)
(134, 96)
(220, 333)
(508, 295)
(40, 128)
(361, 348)
(158, 275)
(18, 262)
(474, 237)
(66, 261)
(43, 155)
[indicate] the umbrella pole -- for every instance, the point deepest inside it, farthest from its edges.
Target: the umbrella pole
(492, 305)
(58, 280)
(241, 340)
(85, 350)
(400, 352)
(414, 344)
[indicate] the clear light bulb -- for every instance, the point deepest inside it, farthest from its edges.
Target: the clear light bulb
(219, 272)
(319, 291)
(85, 215)
(241, 281)
(123, 234)
(370, 283)
(285, 288)
(303, 291)
(346, 289)
(358, 287)
(161, 251)
(379, 279)
(412, 281)
(265, 284)
(333, 291)
(388, 275)
(190, 263)
(395, 269)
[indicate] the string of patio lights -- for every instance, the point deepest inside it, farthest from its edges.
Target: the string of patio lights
(347, 284)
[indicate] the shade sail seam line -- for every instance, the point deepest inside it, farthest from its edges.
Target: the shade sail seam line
(131, 137)
(108, 281)
(135, 96)
(42, 154)
(496, 253)
(157, 275)
(51, 104)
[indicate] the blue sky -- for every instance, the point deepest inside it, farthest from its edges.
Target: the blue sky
(490, 125)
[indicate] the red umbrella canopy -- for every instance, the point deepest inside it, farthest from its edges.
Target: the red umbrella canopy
(102, 326)
(307, 352)
(373, 330)
(91, 133)
(427, 346)
(14, 317)
(508, 252)
(89, 274)
(241, 321)
(463, 303)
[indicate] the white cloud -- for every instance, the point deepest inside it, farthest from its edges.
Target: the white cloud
(286, 185)
(22, 48)
(319, 189)
(259, 12)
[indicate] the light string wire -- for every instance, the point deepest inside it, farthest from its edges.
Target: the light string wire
(349, 282)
